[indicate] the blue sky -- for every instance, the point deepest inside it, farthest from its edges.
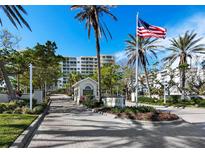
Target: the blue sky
(57, 23)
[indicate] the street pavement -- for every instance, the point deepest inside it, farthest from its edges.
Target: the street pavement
(70, 126)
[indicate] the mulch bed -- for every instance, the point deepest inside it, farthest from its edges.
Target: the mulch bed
(149, 116)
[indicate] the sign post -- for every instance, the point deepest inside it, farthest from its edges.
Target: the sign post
(31, 88)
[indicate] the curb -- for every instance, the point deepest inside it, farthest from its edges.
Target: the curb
(24, 139)
(130, 121)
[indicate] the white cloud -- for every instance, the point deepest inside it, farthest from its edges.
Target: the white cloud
(196, 23)
(120, 56)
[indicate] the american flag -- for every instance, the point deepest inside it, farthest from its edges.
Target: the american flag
(146, 30)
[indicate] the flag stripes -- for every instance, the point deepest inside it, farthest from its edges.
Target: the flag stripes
(146, 30)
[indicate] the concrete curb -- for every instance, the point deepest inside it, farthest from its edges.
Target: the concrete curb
(130, 121)
(24, 139)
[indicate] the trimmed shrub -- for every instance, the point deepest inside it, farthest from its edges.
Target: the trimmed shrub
(8, 112)
(25, 102)
(149, 100)
(18, 110)
(144, 109)
(38, 109)
(26, 110)
(2, 108)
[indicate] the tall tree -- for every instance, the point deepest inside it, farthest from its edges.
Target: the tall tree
(7, 46)
(146, 46)
(183, 47)
(14, 13)
(92, 16)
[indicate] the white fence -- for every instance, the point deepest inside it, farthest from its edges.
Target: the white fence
(38, 95)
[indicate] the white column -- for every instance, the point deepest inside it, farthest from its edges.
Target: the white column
(31, 88)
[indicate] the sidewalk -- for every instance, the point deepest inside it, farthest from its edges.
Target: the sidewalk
(191, 115)
(70, 126)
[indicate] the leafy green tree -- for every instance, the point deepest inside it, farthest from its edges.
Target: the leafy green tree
(72, 79)
(110, 78)
(8, 43)
(46, 65)
(14, 13)
(146, 47)
(182, 48)
(92, 15)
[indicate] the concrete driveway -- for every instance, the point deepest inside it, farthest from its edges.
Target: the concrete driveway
(70, 126)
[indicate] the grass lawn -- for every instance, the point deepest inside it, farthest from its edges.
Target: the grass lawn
(12, 125)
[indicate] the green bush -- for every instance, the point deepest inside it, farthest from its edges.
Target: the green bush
(92, 103)
(149, 100)
(26, 102)
(8, 112)
(2, 107)
(18, 110)
(145, 109)
(11, 105)
(26, 110)
(116, 110)
(38, 109)
(129, 110)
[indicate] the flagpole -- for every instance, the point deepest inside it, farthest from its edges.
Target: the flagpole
(137, 62)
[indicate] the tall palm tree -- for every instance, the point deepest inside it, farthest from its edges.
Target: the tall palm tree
(182, 48)
(14, 13)
(146, 46)
(92, 16)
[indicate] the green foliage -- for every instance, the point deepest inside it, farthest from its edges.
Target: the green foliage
(149, 100)
(26, 102)
(18, 110)
(129, 110)
(22, 107)
(90, 103)
(38, 109)
(110, 78)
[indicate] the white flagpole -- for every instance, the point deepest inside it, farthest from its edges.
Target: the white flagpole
(137, 61)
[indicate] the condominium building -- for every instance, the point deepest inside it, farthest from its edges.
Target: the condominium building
(85, 65)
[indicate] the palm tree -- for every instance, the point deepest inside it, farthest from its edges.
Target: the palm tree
(146, 46)
(182, 48)
(14, 13)
(92, 15)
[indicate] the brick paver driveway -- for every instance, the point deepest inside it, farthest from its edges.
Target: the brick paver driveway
(68, 125)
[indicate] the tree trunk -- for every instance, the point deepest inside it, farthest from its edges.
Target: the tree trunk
(183, 83)
(99, 67)
(147, 81)
(11, 92)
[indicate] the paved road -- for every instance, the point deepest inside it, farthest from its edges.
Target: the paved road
(71, 126)
(191, 115)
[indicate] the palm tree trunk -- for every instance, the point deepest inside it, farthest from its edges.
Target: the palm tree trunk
(11, 92)
(99, 67)
(147, 81)
(183, 83)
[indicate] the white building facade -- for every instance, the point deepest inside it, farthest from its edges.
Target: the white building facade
(85, 65)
